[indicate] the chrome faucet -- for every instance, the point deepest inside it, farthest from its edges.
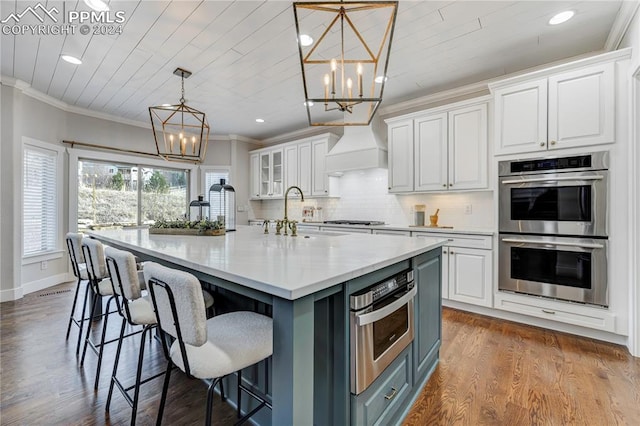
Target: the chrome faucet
(286, 198)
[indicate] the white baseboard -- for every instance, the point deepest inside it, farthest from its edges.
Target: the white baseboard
(30, 287)
(539, 322)
(11, 294)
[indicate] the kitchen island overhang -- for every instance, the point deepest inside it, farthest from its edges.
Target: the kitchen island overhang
(306, 280)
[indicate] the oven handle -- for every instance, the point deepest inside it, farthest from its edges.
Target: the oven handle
(553, 179)
(368, 318)
(554, 243)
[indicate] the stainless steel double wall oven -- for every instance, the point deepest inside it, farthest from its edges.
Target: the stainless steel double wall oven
(553, 227)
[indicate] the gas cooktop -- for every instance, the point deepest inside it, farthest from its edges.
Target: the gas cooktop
(354, 222)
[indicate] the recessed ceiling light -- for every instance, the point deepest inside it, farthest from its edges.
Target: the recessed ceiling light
(97, 5)
(306, 40)
(561, 17)
(259, 120)
(308, 103)
(71, 59)
(379, 79)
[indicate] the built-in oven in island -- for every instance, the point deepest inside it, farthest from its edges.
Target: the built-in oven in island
(381, 326)
(553, 227)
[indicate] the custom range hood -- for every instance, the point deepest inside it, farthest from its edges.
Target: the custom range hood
(360, 148)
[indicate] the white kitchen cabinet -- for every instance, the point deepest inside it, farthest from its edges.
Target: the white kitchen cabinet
(254, 171)
(271, 173)
(467, 147)
(304, 167)
(297, 166)
(469, 274)
(291, 167)
(467, 267)
(301, 163)
(322, 185)
(401, 146)
(439, 150)
(430, 153)
(559, 110)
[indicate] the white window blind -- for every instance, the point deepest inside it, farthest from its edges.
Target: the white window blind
(40, 198)
(211, 178)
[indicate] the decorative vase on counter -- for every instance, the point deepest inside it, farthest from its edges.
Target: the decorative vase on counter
(222, 198)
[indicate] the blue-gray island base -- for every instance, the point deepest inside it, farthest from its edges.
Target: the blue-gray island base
(305, 284)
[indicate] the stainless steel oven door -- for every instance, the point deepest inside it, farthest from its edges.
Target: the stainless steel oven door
(572, 203)
(564, 268)
(378, 335)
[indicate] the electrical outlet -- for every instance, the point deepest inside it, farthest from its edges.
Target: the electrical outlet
(468, 209)
(43, 265)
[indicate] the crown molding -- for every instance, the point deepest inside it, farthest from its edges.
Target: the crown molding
(625, 15)
(301, 134)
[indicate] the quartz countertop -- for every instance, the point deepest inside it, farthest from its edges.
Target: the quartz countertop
(283, 266)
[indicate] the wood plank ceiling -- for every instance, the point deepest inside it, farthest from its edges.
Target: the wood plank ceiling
(244, 57)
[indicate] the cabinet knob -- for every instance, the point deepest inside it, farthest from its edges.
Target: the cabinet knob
(444, 185)
(444, 251)
(553, 142)
(450, 184)
(389, 188)
(542, 144)
(451, 252)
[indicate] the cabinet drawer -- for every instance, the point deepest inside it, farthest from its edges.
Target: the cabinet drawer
(584, 316)
(391, 232)
(378, 404)
(345, 230)
(460, 240)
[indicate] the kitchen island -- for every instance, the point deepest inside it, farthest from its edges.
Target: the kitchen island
(306, 282)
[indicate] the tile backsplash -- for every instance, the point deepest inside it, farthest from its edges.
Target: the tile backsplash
(364, 196)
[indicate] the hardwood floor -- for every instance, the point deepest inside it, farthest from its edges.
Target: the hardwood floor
(495, 372)
(491, 372)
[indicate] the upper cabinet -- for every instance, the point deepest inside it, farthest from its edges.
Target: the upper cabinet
(439, 150)
(567, 106)
(300, 163)
(271, 173)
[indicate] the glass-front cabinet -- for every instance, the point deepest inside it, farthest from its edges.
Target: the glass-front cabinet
(271, 173)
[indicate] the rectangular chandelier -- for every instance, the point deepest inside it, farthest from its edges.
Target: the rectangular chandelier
(344, 53)
(181, 133)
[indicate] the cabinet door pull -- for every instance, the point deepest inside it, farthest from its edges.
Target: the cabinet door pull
(449, 239)
(392, 395)
(548, 312)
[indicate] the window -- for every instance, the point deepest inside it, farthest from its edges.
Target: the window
(125, 194)
(212, 177)
(41, 166)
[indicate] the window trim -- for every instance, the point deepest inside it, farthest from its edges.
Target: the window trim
(211, 169)
(59, 200)
(82, 154)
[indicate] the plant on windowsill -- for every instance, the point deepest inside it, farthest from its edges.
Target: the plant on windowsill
(187, 227)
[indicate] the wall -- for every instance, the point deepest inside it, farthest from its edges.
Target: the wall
(632, 39)
(364, 195)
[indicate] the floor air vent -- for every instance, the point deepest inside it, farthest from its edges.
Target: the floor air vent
(54, 292)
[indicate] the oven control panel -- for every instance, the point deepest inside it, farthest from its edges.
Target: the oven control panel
(381, 290)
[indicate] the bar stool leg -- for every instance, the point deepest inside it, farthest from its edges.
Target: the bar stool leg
(136, 392)
(86, 338)
(102, 338)
(239, 394)
(73, 309)
(82, 319)
(165, 388)
(115, 364)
